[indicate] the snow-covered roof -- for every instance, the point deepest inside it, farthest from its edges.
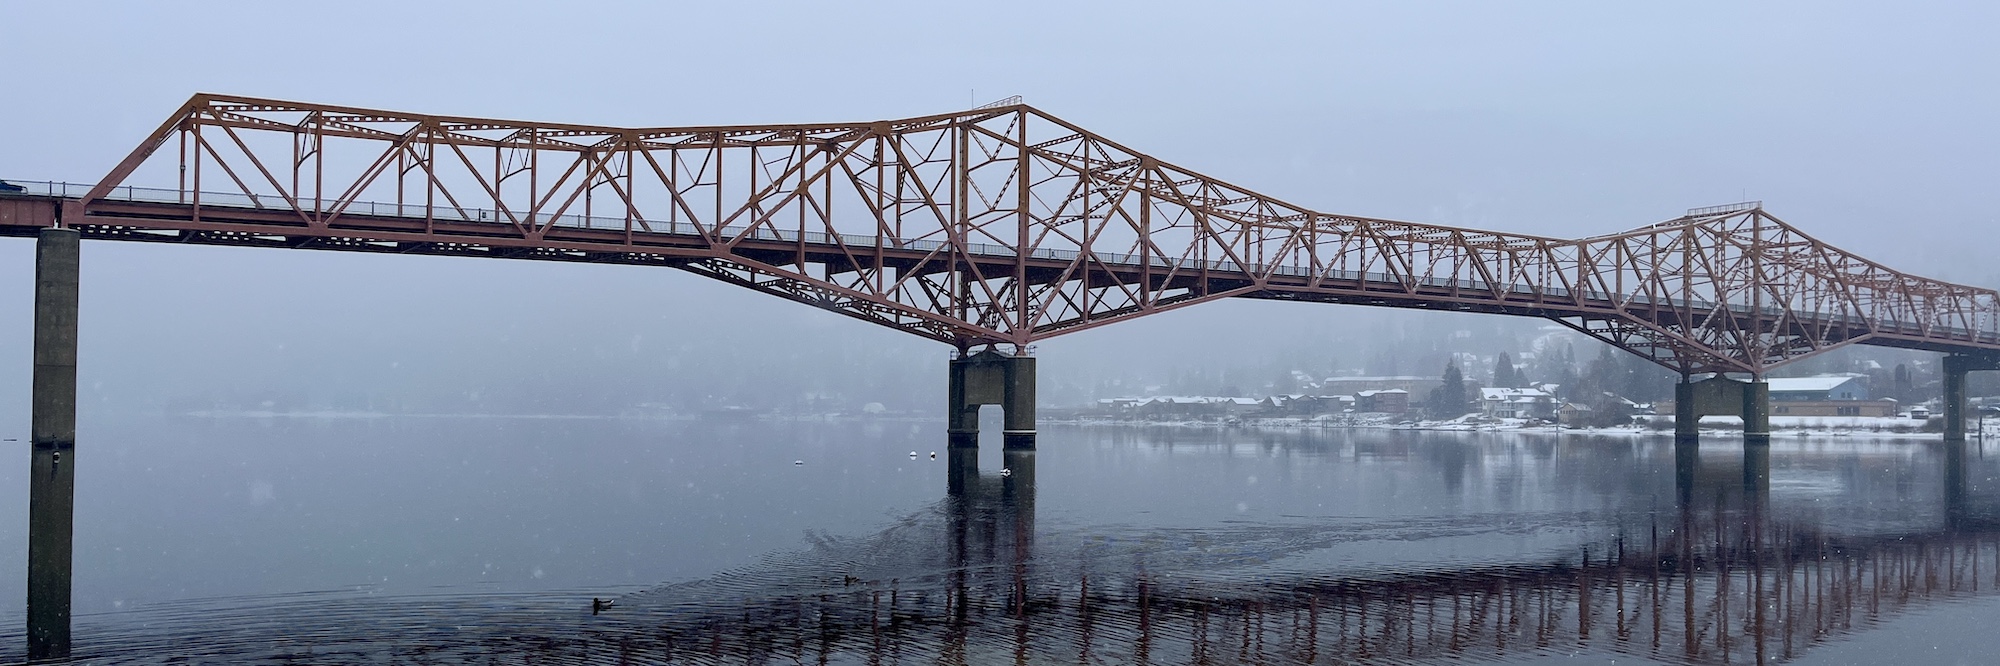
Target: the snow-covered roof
(1817, 383)
(1383, 378)
(1510, 393)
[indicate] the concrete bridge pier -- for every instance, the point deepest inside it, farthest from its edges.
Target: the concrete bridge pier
(1955, 510)
(1956, 367)
(52, 468)
(1722, 396)
(1756, 471)
(992, 378)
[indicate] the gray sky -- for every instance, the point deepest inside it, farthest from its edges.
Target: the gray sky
(1871, 126)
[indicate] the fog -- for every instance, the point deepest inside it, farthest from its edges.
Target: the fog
(1867, 126)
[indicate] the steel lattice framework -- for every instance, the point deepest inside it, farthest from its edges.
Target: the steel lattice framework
(998, 225)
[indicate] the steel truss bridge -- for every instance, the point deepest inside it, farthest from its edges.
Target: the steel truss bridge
(1001, 225)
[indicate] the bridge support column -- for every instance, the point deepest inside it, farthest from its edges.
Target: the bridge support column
(992, 378)
(1756, 412)
(1954, 485)
(1687, 462)
(1756, 468)
(1956, 367)
(52, 469)
(1687, 420)
(1721, 396)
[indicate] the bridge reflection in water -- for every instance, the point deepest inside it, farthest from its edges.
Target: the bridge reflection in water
(1713, 576)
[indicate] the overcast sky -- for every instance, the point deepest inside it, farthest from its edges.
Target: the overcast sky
(1870, 126)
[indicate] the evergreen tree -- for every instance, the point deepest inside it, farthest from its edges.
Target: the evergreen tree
(1904, 390)
(1449, 401)
(1505, 375)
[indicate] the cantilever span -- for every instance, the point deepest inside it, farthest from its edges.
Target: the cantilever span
(1000, 225)
(995, 227)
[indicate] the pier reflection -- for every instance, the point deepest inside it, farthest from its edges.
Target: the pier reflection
(1717, 577)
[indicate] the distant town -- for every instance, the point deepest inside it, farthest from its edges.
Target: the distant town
(1544, 387)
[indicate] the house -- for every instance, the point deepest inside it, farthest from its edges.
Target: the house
(1516, 403)
(1389, 401)
(1169, 406)
(1575, 415)
(1182, 407)
(1406, 383)
(1306, 405)
(1238, 406)
(1118, 405)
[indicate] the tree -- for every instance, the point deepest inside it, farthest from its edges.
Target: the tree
(1904, 390)
(1505, 375)
(1448, 401)
(1600, 375)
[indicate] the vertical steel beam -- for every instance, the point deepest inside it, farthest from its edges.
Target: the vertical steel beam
(51, 485)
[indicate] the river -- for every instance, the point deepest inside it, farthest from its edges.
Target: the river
(477, 540)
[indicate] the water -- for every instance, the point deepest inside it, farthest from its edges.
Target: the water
(480, 540)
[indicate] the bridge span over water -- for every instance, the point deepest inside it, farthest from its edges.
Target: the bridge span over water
(987, 229)
(994, 227)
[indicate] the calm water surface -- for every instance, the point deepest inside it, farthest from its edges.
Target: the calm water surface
(462, 540)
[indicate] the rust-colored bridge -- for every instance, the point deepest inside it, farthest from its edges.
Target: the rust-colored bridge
(998, 225)
(994, 227)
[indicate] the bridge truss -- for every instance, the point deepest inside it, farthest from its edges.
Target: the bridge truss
(998, 225)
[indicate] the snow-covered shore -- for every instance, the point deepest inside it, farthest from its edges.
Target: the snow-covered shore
(1781, 426)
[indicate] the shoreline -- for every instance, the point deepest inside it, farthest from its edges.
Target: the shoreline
(1791, 431)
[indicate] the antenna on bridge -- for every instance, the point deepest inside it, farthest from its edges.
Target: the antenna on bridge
(1004, 101)
(1725, 208)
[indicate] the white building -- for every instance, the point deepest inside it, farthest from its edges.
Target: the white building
(1516, 403)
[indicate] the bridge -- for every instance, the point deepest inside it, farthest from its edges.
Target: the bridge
(988, 229)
